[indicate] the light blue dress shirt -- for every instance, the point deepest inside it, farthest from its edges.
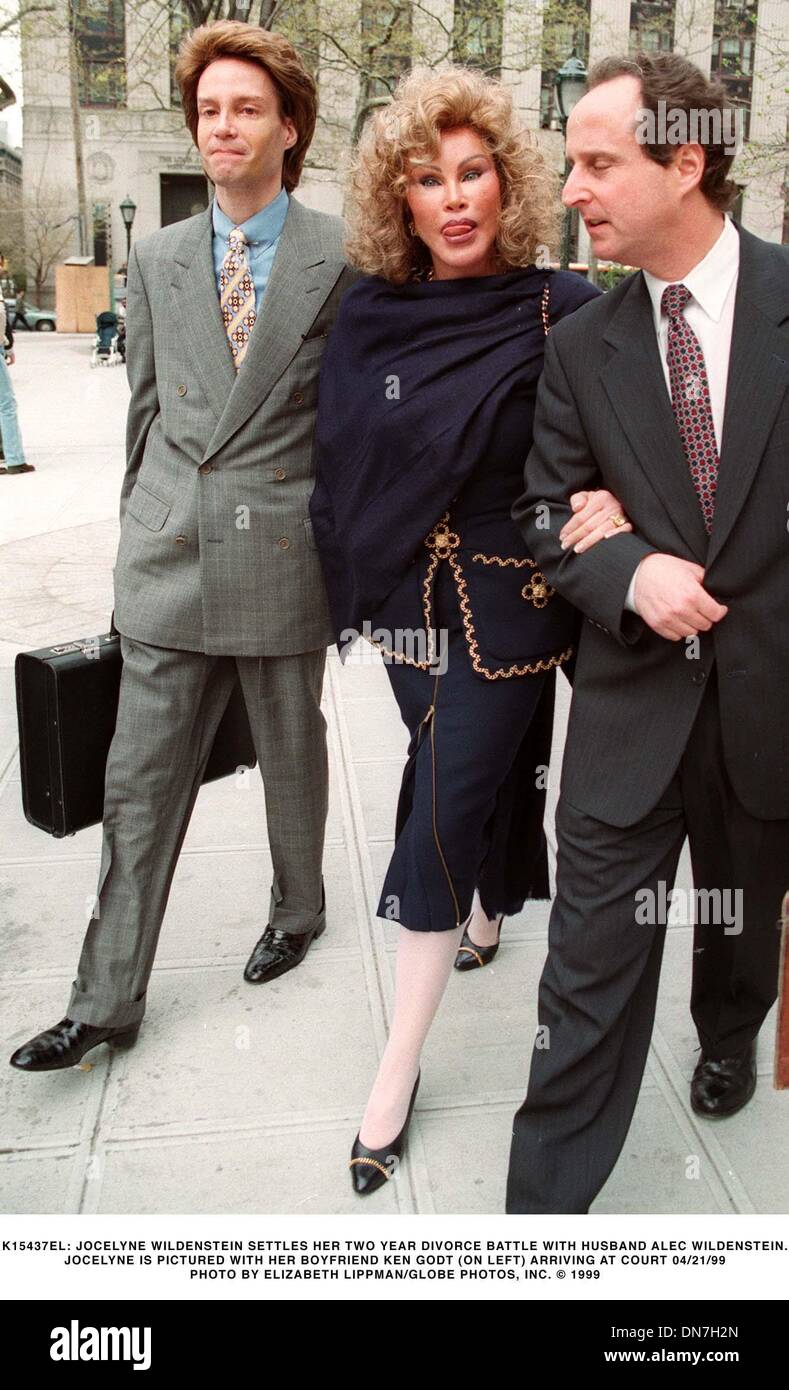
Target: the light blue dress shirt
(262, 231)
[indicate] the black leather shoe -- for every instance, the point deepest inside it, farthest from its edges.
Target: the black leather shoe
(720, 1088)
(66, 1044)
(277, 952)
(470, 956)
(371, 1168)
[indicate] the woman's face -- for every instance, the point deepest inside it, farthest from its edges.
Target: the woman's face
(455, 204)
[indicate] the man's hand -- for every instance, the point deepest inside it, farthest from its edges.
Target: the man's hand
(591, 521)
(10, 358)
(671, 598)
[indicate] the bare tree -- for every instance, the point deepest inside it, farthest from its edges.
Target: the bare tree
(204, 11)
(49, 215)
(360, 48)
(363, 46)
(11, 16)
(76, 128)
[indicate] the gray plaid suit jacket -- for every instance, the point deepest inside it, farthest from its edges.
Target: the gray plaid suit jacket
(216, 552)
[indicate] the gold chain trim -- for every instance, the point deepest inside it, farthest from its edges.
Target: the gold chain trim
(373, 1163)
(504, 561)
(538, 591)
(472, 952)
(546, 323)
(443, 542)
(427, 611)
(501, 672)
(432, 714)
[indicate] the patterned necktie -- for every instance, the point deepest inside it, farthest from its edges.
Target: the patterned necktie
(690, 397)
(237, 296)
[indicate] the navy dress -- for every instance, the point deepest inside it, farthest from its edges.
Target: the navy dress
(471, 632)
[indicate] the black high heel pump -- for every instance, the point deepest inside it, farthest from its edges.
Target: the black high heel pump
(371, 1168)
(470, 956)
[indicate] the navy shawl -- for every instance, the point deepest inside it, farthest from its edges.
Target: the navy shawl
(412, 381)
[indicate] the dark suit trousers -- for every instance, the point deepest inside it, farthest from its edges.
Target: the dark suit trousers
(171, 703)
(599, 986)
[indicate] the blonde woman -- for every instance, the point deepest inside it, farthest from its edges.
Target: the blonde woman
(425, 414)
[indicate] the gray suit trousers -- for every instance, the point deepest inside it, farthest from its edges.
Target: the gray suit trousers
(171, 703)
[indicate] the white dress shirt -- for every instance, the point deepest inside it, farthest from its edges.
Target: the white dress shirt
(710, 313)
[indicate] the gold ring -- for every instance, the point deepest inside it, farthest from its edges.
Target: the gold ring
(617, 519)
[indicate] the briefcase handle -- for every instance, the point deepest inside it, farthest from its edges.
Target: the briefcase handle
(113, 629)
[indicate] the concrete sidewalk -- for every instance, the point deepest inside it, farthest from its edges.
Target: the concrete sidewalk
(246, 1099)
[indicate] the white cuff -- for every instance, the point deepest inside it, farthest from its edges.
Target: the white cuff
(630, 601)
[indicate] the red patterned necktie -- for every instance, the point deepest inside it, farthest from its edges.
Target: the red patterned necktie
(690, 397)
(237, 296)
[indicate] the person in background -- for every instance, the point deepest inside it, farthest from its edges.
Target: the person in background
(11, 453)
(19, 311)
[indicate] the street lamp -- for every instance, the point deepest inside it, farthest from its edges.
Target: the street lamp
(570, 86)
(128, 209)
(7, 97)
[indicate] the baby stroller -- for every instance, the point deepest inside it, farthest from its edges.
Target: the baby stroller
(105, 345)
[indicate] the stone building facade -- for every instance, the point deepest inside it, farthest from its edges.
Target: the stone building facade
(135, 143)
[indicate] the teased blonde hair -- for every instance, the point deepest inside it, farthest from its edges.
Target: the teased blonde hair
(425, 103)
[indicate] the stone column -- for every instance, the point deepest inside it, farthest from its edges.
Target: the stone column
(521, 56)
(147, 56)
(609, 35)
(693, 23)
(323, 180)
(609, 29)
(764, 158)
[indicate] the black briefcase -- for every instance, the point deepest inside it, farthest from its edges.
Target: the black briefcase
(67, 704)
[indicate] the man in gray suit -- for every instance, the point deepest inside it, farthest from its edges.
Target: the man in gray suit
(217, 578)
(671, 391)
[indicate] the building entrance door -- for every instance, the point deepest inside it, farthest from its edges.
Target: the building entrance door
(182, 195)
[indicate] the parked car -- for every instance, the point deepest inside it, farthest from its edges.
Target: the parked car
(40, 320)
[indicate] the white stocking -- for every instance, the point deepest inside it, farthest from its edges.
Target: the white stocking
(424, 962)
(483, 930)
